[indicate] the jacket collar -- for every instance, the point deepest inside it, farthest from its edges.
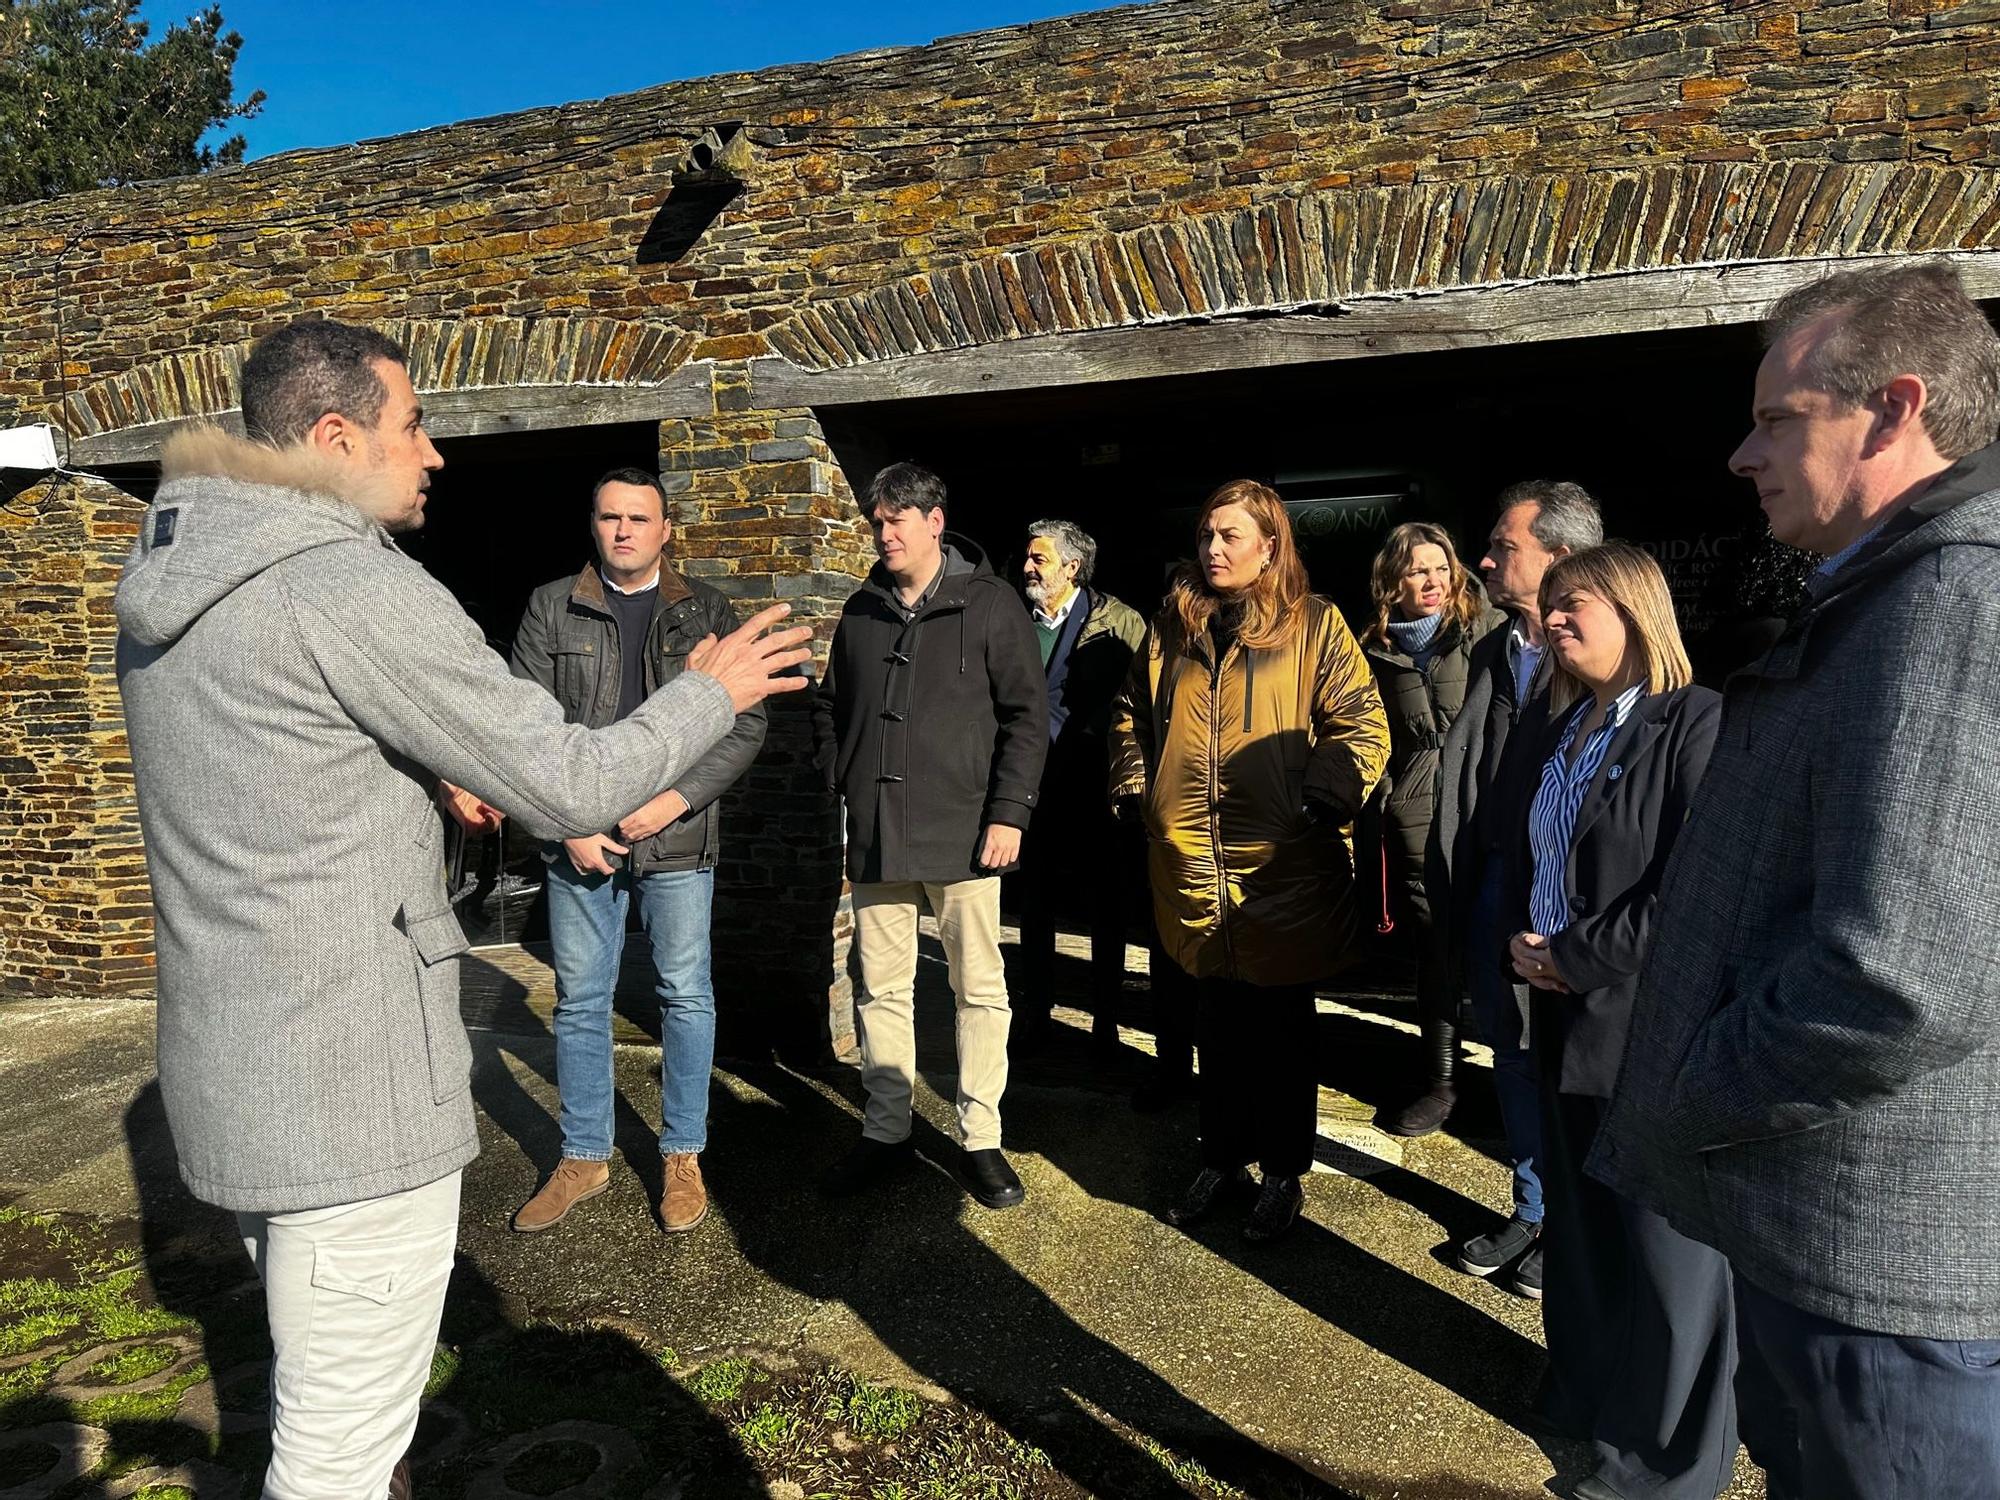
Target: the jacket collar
(963, 562)
(1630, 744)
(1961, 507)
(588, 590)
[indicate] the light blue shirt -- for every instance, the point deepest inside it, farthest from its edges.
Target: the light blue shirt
(1552, 819)
(1845, 555)
(1525, 658)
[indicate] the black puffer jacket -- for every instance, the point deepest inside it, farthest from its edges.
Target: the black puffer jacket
(1421, 703)
(932, 727)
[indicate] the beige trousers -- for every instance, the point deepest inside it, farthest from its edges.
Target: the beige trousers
(885, 935)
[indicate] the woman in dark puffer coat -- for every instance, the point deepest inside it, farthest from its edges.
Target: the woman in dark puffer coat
(1428, 613)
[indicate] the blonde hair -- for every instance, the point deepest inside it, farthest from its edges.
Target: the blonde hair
(1461, 606)
(1271, 605)
(1631, 583)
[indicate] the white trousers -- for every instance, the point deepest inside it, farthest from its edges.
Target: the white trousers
(885, 933)
(354, 1294)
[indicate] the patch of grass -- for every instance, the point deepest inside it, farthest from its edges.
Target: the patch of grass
(135, 1363)
(19, 1335)
(713, 1384)
(142, 1406)
(1186, 1473)
(444, 1369)
(163, 1492)
(28, 1379)
(769, 1427)
(34, 1310)
(880, 1412)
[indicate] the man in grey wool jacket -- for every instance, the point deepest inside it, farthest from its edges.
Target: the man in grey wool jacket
(1812, 1079)
(295, 687)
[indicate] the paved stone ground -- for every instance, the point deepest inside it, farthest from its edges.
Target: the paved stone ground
(1075, 1345)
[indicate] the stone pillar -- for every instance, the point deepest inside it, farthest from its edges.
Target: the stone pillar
(76, 913)
(762, 511)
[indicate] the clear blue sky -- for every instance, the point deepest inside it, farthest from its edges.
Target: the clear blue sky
(351, 69)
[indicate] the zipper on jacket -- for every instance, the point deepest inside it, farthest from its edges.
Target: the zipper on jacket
(1215, 804)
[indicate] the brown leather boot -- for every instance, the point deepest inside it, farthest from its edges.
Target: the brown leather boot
(570, 1183)
(683, 1200)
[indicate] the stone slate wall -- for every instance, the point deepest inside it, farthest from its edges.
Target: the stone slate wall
(762, 511)
(1180, 159)
(75, 909)
(874, 166)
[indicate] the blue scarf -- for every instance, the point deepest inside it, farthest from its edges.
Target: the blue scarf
(1417, 639)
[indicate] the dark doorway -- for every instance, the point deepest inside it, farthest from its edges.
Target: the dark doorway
(506, 515)
(1646, 422)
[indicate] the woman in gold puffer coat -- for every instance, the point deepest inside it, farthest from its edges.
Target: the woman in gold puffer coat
(1247, 737)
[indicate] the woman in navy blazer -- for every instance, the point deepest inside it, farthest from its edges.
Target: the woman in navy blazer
(1639, 1320)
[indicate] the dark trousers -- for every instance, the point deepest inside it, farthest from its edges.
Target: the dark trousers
(1501, 1028)
(1069, 852)
(1640, 1325)
(1840, 1413)
(1173, 1013)
(1259, 1092)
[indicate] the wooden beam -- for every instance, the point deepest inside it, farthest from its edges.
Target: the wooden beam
(1406, 323)
(1469, 317)
(466, 413)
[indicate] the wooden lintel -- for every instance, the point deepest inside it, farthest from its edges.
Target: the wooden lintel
(467, 413)
(1633, 302)
(1468, 317)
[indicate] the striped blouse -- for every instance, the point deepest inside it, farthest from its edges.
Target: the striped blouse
(1552, 819)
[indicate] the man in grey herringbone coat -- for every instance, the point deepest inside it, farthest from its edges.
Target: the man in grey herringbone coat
(1812, 1082)
(294, 688)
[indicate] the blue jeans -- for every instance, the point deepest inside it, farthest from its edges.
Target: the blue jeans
(1839, 1413)
(587, 934)
(1501, 1028)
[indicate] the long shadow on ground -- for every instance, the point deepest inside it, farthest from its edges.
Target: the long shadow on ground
(952, 1309)
(497, 1391)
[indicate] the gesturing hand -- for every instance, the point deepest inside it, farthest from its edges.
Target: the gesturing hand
(749, 663)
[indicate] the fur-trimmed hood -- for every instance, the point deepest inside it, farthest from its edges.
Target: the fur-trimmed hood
(226, 510)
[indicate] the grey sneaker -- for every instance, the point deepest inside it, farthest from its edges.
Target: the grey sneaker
(1500, 1249)
(1528, 1274)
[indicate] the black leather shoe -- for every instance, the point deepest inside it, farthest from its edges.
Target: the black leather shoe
(868, 1161)
(1277, 1210)
(991, 1181)
(1424, 1114)
(1210, 1187)
(1500, 1249)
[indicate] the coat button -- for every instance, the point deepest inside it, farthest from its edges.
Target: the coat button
(1578, 906)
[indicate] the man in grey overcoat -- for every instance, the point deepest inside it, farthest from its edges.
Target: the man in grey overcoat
(295, 688)
(1812, 1081)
